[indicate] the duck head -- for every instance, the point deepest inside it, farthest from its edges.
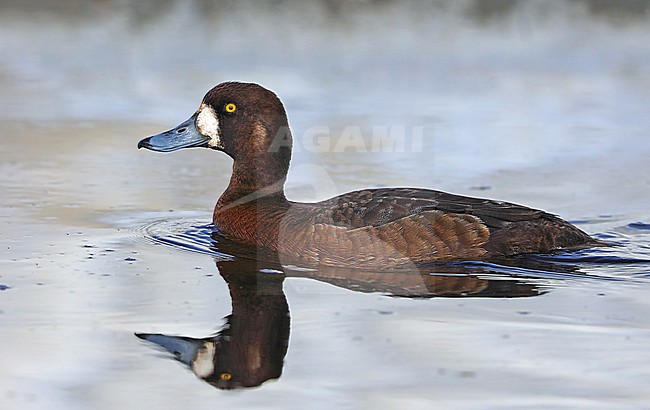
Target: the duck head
(244, 120)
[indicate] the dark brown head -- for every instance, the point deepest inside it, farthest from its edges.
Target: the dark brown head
(244, 120)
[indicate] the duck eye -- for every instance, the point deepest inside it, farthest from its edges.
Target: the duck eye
(225, 376)
(230, 107)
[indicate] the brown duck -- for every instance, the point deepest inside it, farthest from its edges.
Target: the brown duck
(371, 228)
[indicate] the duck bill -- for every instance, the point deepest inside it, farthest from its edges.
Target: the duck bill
(185, 135)
(185, 349)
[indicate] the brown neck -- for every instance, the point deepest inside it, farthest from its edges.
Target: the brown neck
(262, 178)
(261, 162)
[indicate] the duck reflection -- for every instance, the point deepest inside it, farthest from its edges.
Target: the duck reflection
(251, 346)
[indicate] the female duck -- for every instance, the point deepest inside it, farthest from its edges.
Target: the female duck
(372, 228)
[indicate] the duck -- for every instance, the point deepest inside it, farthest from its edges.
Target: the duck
(375, 228)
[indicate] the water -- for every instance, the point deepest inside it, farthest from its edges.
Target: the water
(542, 103)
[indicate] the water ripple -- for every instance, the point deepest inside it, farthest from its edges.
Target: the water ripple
(184, 234)
(640, 226)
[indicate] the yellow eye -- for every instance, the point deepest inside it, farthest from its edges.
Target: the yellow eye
(226, 376)
(230, 107)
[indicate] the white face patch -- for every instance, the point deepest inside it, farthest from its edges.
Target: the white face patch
(208, 124)
(203, 363)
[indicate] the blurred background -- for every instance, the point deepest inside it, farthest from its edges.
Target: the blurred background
(143, 60)
(494, 84)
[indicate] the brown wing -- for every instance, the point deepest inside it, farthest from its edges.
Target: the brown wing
(513, 229)
(379, 206)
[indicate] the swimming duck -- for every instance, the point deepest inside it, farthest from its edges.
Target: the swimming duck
(370, 228)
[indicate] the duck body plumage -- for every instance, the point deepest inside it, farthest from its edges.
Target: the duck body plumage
(370, 228)
(391, 227)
